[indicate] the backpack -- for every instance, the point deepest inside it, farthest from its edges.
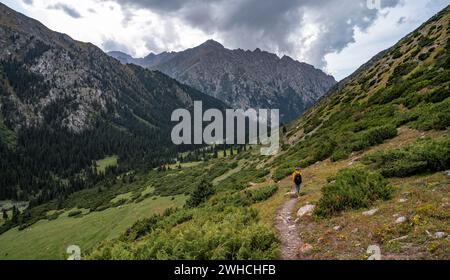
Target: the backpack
(298, 179)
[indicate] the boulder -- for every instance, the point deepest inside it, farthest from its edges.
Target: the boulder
(291, 195)
(370, 212)
(400, 220)
(305, 210)
(306, 248)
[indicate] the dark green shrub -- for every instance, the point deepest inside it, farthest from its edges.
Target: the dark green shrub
(171, 217)
(389, 94)
(311, 125)
(425, 42)
(323, 150)
(438, 95)
(353, 189)
(281, 173)
(433, 116)
(262, 194)
(74, 213)
(203, 191)
(373, 136)
(140, 228)
(339, 155)
(401, 70)
(424, 56)
(240, 180)
(412, 100)
(54, 216)
(228, 233)
(397, 53)
(424, 156)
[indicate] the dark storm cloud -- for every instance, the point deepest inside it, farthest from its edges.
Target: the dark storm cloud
(401, 20)
(112, 45)
(72, 12)
(277, 26)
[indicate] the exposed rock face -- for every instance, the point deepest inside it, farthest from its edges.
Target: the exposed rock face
(45, 73)
(243, 79)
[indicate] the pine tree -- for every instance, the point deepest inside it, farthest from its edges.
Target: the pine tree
(215, 153)
(200, 194)
(5, 215)
(15, 214)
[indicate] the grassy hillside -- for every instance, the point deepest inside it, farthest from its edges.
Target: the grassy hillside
(48, 239)
(399, 88)
(379, 140)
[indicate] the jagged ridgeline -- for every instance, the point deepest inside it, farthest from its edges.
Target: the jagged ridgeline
(243, 79)
(406, 85)
(65, 104)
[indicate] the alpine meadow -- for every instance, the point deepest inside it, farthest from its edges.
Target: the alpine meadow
(87, 155)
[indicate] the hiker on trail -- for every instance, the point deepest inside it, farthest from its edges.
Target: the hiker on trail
(297, 177)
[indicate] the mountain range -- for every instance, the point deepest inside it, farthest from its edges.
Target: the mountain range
(65, 103)
(241, 78)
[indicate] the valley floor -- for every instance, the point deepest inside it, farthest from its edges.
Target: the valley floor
(49, 239)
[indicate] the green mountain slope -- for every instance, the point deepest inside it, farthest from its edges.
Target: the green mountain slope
(378, 141)
(65, 104)
(407, 85)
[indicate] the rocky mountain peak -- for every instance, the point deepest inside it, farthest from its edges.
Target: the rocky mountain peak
(212, 44)
(245, 79)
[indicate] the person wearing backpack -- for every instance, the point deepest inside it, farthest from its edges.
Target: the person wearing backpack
(297, 177)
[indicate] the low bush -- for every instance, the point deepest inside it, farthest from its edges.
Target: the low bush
(438, 95)
(53, 216)
(424, 56)
(353, 189)
(171, 217)
(339, 155)
(233, 233)
(401, 70)
(200, 194)
(262, 194)
(240, 180)
(74, 213)
(424, 156)
(281, 173)
(373, 136)
(311, 124)
(432, 116)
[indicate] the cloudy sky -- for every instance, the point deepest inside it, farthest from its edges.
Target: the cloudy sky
(334, 35)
